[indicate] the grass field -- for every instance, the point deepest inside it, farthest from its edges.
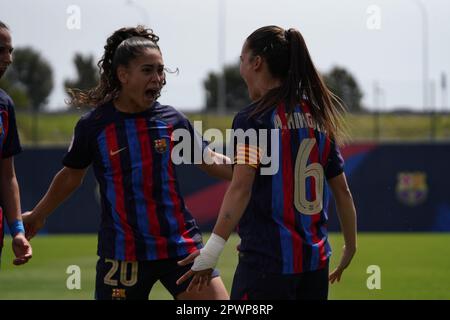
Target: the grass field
(413, 266)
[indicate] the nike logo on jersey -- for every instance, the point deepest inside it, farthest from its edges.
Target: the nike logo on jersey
(113, 153)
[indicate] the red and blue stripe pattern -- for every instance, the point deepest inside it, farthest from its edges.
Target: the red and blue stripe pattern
(143, 211)
(4, 126)
(303, 238)
(171, 198)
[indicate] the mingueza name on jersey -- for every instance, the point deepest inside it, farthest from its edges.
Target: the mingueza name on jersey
(226, 309)
(297, 120)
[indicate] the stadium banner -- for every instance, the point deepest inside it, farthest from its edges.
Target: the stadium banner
(396, 188)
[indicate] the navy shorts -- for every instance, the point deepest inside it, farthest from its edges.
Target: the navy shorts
(252, 284)
(133, 280)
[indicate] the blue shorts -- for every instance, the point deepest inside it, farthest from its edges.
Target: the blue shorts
(250, 283)
(133, 280)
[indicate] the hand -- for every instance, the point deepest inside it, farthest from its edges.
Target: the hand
(22, 249)
(32, 224)
(347, 256)
(200, 278)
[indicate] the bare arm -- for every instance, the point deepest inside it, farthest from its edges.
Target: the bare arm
(65, 182)
(233, 206)
(10, 196)
(347, 218)
(9, 189)
(220, 166)
(235, 200)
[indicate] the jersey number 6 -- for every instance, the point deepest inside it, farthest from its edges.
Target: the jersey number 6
(302, 172)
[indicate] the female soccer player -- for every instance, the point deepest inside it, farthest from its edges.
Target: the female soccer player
(284, 250)
(9, 147)
(145, 226)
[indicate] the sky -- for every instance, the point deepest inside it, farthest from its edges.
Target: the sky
(379, 42)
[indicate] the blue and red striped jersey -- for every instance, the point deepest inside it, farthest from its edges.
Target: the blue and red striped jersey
(143, 213)
(9, 139)
(284, 227)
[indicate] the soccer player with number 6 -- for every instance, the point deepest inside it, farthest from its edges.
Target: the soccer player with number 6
(282, 217)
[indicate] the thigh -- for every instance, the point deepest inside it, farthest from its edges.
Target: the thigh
(172, 272)
(313, 285)
(252, 284)
(215, 291)
(122, 280)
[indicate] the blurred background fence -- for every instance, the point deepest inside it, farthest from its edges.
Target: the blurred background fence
(44, 129)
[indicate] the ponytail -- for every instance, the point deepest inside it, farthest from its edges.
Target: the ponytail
(288, 59)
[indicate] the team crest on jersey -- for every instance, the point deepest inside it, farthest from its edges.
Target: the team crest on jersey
(412, 188)
(118, 294)
(161, 145)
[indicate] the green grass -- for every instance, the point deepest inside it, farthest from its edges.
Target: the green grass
(58, 128)
(413, 266)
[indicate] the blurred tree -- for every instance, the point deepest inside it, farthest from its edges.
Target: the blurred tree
(236, 89)
(87, 73)
(339, 80)
(32, 73)
(342, 83)
(19, 95)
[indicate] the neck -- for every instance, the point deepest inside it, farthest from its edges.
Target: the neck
(268, 83)
(126, 104)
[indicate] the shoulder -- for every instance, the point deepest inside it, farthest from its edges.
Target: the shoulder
(246, 112)
(245, 119)
(5, 100)
(96, 114)
(169, 114)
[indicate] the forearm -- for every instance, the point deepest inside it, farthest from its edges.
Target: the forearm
(231, 211)
(233, 206)
(347, 218)
(60, 189)
(217, 165)
(11, 198)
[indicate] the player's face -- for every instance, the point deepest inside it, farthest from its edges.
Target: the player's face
(143, 78)
(247, 71)
(5, 50)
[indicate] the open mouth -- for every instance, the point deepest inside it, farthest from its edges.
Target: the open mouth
(152, 93)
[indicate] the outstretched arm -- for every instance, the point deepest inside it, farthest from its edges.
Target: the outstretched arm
(347, 218)
(233, 206)
(66, 181)
(219, 165)
(11, 205)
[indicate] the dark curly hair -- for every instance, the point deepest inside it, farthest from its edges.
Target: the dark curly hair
(121, 47)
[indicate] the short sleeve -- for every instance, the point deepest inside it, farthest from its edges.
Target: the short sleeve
(246, 146)
(79, 155)
(335, 164)
(198, 144)
(11, 144)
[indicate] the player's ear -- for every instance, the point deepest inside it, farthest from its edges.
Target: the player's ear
(122, 74)
(257, 62)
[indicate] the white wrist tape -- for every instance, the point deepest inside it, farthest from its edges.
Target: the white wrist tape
(209, 255)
